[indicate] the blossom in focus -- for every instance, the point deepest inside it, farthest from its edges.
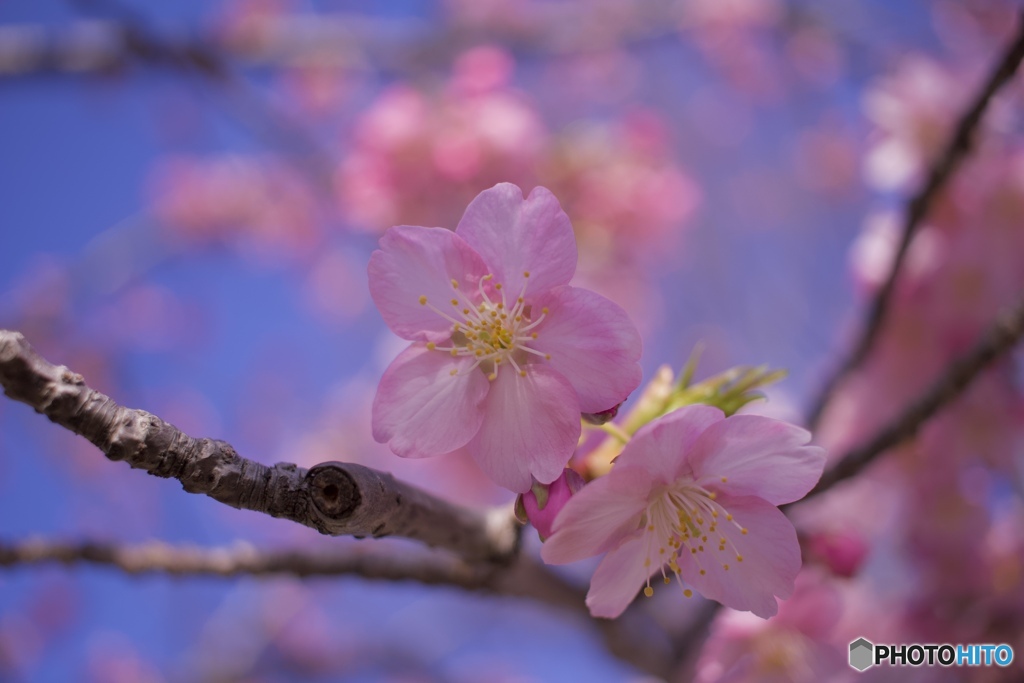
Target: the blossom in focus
(505, 354)
(696, 493)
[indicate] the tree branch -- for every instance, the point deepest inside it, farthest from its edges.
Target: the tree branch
(941, 171)
(156, 557)
(997, 341)
(524, 577)
(334, 498)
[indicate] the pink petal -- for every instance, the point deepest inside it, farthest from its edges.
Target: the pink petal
(414, 262)
(514, 235)
(421, 409)
(599, 517)
(593, 343)
(530, 429)
(758, 456)
(663, 446)
(618, 579)
(771, 558)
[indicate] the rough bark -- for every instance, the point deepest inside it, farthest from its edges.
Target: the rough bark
(335, 498)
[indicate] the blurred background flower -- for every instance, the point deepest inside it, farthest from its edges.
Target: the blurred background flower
(190, 194)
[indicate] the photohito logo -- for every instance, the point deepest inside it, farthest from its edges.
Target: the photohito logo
(865, 654)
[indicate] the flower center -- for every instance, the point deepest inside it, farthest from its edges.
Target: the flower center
(489, 329)
(681, 520)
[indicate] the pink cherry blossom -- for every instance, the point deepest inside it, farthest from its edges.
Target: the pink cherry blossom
(505, 354)
(696, 493)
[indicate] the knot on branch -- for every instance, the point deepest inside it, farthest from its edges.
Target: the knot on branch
(333, 490)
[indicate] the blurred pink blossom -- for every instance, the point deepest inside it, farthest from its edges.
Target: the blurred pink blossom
(256, 203)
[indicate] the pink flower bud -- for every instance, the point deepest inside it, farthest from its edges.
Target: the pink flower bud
(542, 503)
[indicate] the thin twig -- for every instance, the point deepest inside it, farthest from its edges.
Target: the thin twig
(996, 342)
(109, 46)
(156, 557)
(938, 176)
(524, 578)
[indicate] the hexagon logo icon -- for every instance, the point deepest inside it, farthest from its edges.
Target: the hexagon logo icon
(862, 654)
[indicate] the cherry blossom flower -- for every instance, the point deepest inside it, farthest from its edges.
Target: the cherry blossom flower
(696, 493)
(505, 354)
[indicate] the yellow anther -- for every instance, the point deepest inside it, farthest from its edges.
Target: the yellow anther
(431, 346)
(465, 311)
(533, 335)
(650, 527)
(661, 551)
(725, 567)
(688, 593)
(739, 558)
(493, 376)
(725, 479)
(489, 276)
(728, 517)
(497, 286)
(744, 531)
(454, 352)
(522, 373)
(526, 273)
(648, 591)
(544, 310)
(647, 562)
(702, 572)
(547, 356)
(453, 372)
(713, 496)
(455, 283)
(455, 302)
(423, 299)
(667, 580)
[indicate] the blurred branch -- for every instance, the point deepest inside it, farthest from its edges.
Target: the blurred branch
(941, 171)
(997, 341)
(524, 577)
(689, 643)
(244, 559)
(334, 39)
(334, 498)
(106, 46)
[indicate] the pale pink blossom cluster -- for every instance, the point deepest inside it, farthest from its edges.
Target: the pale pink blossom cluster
(256, 203)
(418, 156)
(919, 532)
(962, 269)
(505, 360)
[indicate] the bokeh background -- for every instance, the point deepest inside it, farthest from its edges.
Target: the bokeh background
(189, 193)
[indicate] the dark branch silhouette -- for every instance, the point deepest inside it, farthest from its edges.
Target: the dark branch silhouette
(943, 168)
(994, 344)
